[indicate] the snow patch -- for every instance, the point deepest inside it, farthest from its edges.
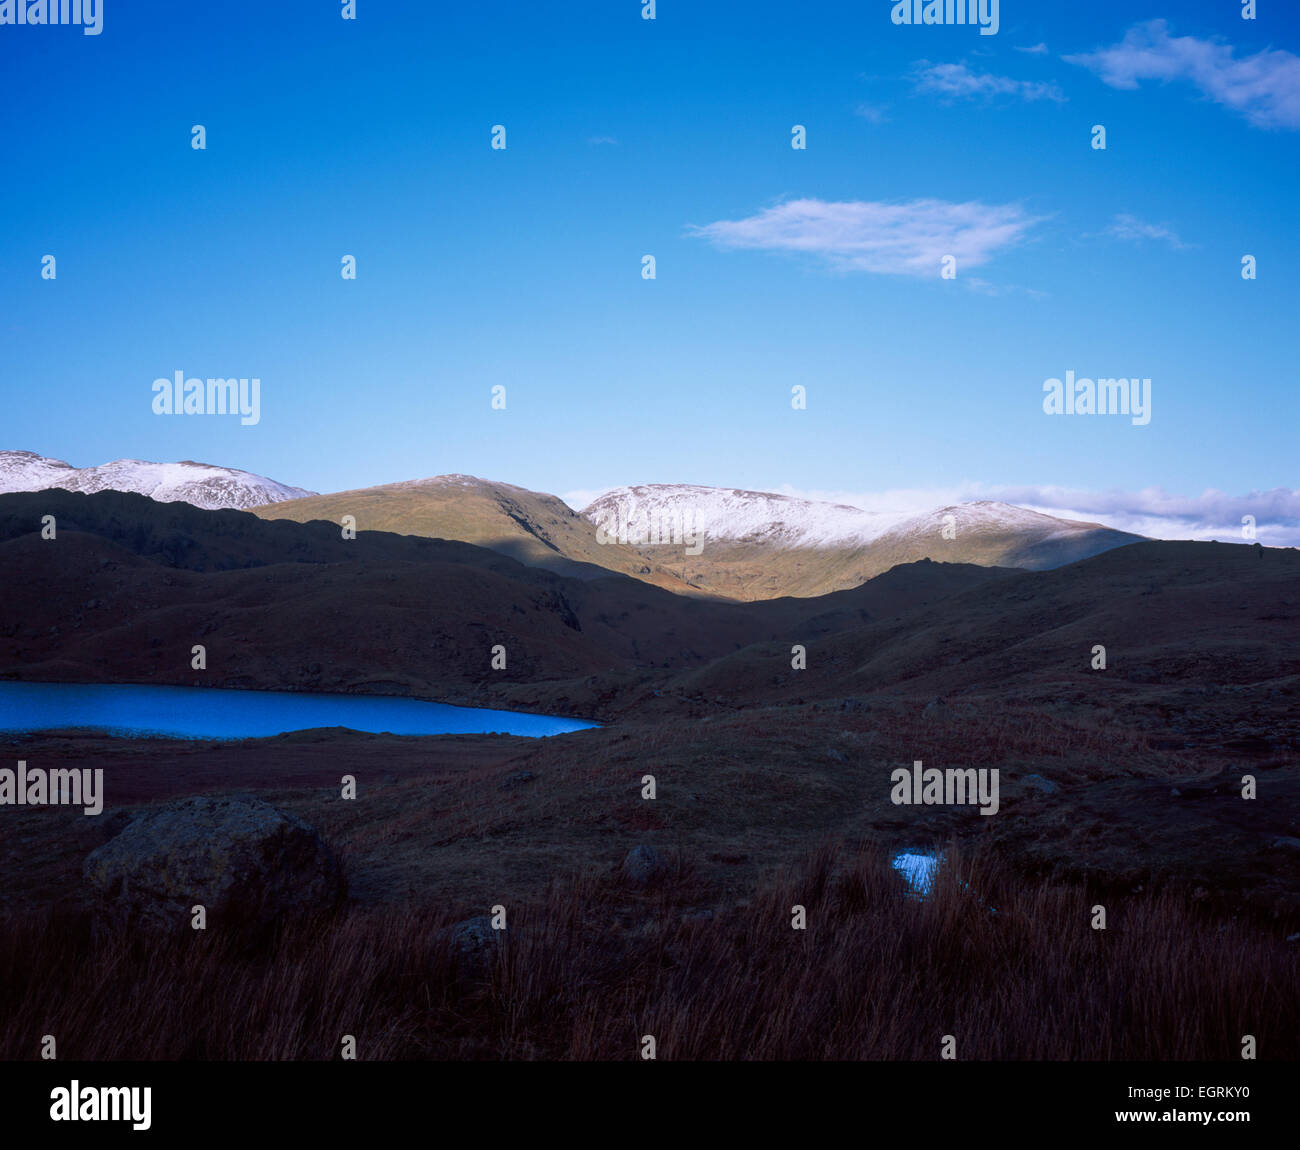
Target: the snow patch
(722, 513)
(200, 484)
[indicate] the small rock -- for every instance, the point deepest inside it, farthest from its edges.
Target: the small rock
(518, 779)
(1288, 843)
(935, 709)
(475, 944)
(643, 865)
(1038, 783)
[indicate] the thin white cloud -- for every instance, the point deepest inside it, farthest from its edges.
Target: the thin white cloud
(1133, 230)
(872, 113)
(1034, 49)
(1264, 87)
(596, 141)
(984, 287)
(585, 496)
(909, 238)
(957, 81)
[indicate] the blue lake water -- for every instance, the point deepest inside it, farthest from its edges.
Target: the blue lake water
(212, 713)
(918, 869)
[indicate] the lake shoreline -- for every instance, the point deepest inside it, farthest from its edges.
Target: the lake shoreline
(52, 701)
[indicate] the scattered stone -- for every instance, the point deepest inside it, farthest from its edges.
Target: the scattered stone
(518, 779)
(475, 944)
(1287, 842)
(1038, 783)
(935, 709)
(643, 865)
(1226, 782)
(239, 858)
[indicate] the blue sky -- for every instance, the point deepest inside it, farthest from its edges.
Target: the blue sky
(775, 267)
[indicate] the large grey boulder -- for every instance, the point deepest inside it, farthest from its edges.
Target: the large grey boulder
(240, 858)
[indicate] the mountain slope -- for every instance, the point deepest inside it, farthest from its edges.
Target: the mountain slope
(534, 528)
(757, 545)
(711, 542)
(131, 585)
(749, 545)
(200, 484)
(1202, 640)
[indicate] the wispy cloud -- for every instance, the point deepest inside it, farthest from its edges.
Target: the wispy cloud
(984, 287)
(1264, 87)
(872, 113)
(597, 141)
(957, 81)
(909, 238)
(1034, 49)
(1133, 230)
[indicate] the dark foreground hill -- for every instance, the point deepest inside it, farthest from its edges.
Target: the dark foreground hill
(128, 587)
(1121, 777)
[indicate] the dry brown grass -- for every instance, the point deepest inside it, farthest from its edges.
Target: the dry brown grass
(593, 966)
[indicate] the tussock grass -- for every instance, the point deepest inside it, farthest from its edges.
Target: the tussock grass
(1011, 968)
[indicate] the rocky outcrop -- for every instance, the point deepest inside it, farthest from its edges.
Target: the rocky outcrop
(240, 858)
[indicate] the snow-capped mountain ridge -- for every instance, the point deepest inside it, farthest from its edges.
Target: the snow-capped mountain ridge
(737, 515)
(719, 541)
(201, 484)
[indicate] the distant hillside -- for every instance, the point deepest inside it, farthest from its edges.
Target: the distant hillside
(751, 545)
(703, 541)
(1209, 632)
(129, 586)
(1201, 640)
(537, 529)
(758, 546)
